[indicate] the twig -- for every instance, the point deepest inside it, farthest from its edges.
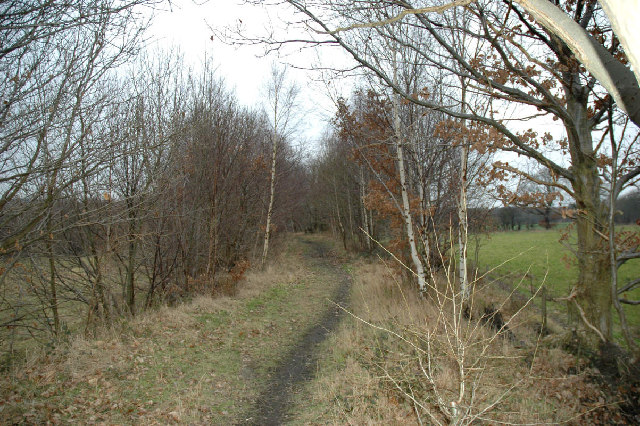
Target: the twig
(586, 321)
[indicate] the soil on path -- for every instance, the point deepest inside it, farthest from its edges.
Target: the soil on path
(208, 361)
(298, 366)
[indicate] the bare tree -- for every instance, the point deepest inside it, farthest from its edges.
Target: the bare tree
(404, 190)
(280, 107)
(52, 55)
(53, 60)
(601, 63)
(518, 62)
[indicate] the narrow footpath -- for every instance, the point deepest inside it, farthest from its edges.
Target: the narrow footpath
(298, 366)
(238, 359)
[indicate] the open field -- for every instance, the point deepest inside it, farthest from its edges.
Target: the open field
(538, 256)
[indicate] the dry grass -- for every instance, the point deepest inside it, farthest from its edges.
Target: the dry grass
(202, 362)
(398, 360)
(129, 373)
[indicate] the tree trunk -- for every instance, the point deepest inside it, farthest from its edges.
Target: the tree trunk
(593, 296)
(350, 212)
(52, 277)
(462, 218)
(272, 193)
(99, 286)
(406, 208)
(424, 215)
(462, 206)
(365, 220)
(131, 263)
(343, 233)
(212, 252)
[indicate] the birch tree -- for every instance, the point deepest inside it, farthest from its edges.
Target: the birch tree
(404, 190)
(520, 62)
(280, 107)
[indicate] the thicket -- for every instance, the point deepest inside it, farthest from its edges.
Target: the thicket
(127, 179)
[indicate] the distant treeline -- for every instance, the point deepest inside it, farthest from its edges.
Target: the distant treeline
(516, 218)
(628, 207)
(512, 218)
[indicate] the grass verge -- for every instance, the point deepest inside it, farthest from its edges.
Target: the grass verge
(376, 367)
(202, 362)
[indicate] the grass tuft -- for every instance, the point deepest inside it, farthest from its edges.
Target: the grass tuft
(376, 366)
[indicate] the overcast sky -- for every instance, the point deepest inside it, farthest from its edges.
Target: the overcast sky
(244, 68)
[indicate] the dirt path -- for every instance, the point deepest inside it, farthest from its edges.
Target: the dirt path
(298, 366)
(221, 360)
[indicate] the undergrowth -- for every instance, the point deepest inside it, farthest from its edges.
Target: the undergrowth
(204, 361)
(398, 360)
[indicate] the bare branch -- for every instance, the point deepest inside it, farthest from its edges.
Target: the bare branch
(401, 15)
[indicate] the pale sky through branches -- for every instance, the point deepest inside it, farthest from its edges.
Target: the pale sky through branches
(245, 69)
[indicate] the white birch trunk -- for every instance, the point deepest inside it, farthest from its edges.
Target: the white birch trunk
(281, 98)
(406, 210)
(462, 218)
(272, 193)
(624, 16)
(462, 208)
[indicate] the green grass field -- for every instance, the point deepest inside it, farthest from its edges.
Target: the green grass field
(541, 254)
